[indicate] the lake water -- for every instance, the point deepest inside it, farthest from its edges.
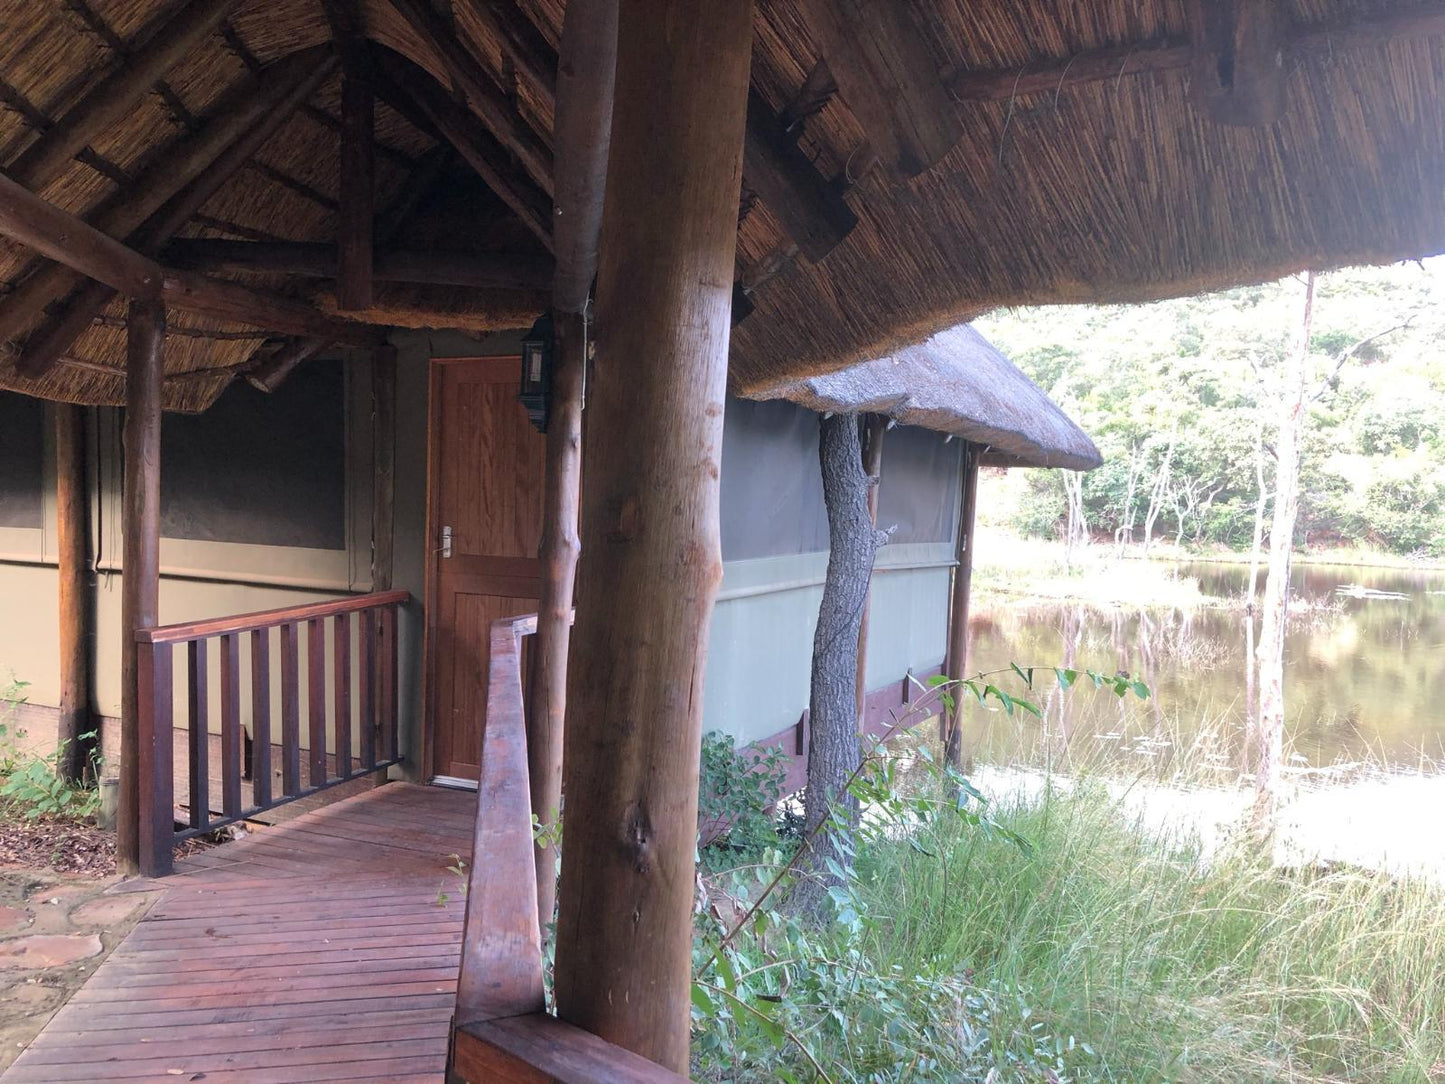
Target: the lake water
(1363, 672)
(1365, 712)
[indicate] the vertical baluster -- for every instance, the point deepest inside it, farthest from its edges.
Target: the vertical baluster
(387, 655)
(366, 687)
(231, 725)
(341, 640)
(316, 697)
(261, 717)
(155, 689)
(198, 708)
(290, 710)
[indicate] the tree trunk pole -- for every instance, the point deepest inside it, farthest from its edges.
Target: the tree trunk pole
(652, 558)
(874, 428)
(72, 531)
(1274, 611)
(586, 77)
(559, 551)
(140, 562)
(833, 750)
(955, 663)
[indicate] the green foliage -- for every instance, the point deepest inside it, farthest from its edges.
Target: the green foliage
(29, 783)
(736, 797)
(1191, 383)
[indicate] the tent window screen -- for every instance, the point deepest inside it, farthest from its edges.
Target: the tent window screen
(22, 452)
(772, 490)
(262, 469)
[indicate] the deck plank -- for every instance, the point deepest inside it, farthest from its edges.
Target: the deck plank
(324, 947)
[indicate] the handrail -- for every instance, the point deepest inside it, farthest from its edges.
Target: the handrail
(219, 626)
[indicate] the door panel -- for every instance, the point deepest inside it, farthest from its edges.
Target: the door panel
(486, 484)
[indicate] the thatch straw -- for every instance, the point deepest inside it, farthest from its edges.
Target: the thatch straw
(1112, 191)
(956, 382)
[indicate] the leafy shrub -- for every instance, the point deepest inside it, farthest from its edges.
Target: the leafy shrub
(30, 782)
(737, 795)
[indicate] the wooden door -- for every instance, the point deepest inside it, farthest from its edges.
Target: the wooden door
(485, 477)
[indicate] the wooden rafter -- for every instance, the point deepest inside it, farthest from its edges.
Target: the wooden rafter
(240, 129)
(59, 235)
(313, 260)
(358, 194)
(482, 91)
(471, 139)
(115, 95)
(1238, 71)
(522, 41)
(887, 76)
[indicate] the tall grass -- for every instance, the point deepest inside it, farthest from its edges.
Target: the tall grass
(1146, 962)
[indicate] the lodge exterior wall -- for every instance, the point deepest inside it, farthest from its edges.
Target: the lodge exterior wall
(762, 627)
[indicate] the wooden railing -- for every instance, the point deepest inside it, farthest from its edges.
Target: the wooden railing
(362, 664)
(501, 1030)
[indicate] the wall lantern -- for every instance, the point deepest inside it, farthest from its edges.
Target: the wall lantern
(537, 372)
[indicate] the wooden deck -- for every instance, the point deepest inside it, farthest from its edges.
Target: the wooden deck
(325, 948)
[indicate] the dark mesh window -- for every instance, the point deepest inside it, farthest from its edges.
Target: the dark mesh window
(772, 495)
(919, 489)
(264, 469)
(22, 453)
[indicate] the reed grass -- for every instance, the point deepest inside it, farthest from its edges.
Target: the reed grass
(1145, 960)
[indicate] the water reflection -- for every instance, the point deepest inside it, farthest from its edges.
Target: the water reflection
(1361, 677)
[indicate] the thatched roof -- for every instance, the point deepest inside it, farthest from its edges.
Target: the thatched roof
(1086, 167)
(955, 382)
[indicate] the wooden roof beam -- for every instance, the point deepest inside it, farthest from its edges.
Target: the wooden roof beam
(116, 95)
(231, 138)
(809, 210)
(887, 76)
(60, 236)
(1239, 72)
(523, 42)
(481, 90)
(471, 139)
(354, 229)
(269, 375)
(484, 270)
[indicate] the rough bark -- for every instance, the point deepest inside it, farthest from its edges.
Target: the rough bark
(874, 429)
(831, 813)
(651, 554)
(140, 552)
(955, 662)
(72, 523)
(1269, 730)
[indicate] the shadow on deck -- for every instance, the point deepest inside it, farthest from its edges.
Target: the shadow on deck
(325, 948)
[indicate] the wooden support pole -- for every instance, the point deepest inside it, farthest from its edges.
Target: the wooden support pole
(955, 663)
(383, 443)
(650, 542)
(115, 96)
(887, 76)
(358, 195)
(874, 426)
(77, 632)
(140, 577)
(269, 375)
(584, 129)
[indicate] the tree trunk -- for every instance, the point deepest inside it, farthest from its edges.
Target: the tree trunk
(651, 555)
(72, 530)
(1269, 733)
(831, 812)
(140, 552)
(559, 550)
(874, 428)
(1261, 501)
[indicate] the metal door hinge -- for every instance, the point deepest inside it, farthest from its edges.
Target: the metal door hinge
(446, 542)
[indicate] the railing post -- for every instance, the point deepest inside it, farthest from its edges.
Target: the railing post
(154, 692)
(387, 654)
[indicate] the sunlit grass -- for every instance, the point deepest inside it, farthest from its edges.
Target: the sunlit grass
(1164, 965)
